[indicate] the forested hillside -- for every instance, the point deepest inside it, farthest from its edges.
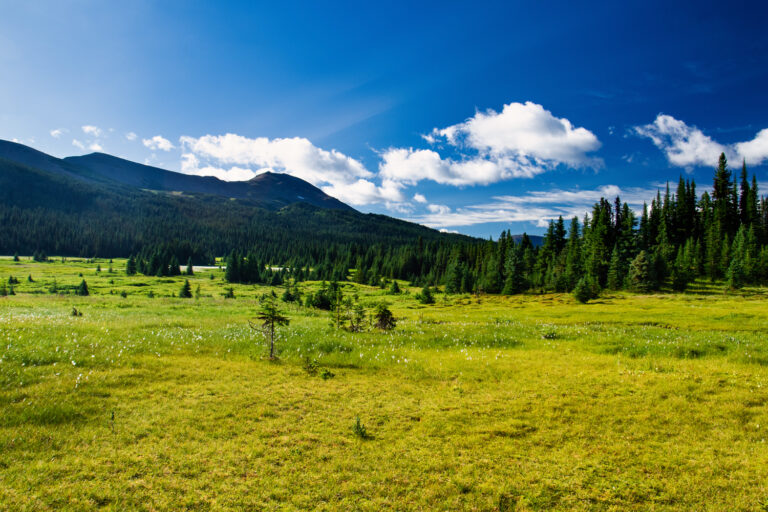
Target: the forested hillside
(678, 237)
(55, 213)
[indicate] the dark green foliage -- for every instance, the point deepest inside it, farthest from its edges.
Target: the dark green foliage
(190, 270)
(383, 318)
(82, 289)
(586, 289)
(641, 277)
(425, 296)
(16, 256)
(359, 430)
(130, 266)
(186, 290)
(394, 288)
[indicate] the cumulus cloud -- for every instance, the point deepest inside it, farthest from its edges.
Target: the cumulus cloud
(754, 151)
(537, 206)
(78, 144)
(158, 143)
(94, 131)
(419, 198)
(523, 140)
(234, 157)
(687, 146)
(131, 136)
(56, 133)
(95, 146)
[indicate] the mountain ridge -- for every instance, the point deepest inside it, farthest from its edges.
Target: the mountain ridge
(270, 190)
(62, 206)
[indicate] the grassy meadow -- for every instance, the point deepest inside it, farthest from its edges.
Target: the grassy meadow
(536, 402)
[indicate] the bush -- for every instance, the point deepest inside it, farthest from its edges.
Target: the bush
(425, 296)
(360, 430)
(383, 318)
(586, 289)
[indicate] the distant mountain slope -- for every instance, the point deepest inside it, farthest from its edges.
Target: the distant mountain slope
(270, 189)
(67, 207)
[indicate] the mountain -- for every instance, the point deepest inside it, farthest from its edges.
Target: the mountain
(106, 206)
(269, 190)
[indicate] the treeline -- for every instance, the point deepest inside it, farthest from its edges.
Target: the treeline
(679, 237)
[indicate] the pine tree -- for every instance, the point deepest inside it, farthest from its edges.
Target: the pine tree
(82, 289)
(640, 273)
(615, 276)
(186, 290)
(586, 289)
(190, 269)
(515, 282)
(271, 317)
(130, 266)
(425, 296)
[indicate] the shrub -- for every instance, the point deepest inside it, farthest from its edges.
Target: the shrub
(425, 296)
(586, 289)
(360, 430)
(383, 317)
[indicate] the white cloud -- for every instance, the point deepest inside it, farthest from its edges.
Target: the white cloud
(686, 146)
(754, 151)
(523, 140)
(419, 198)
(56, 133)
(439, 208)
(95, 146)
(78, 144)
(234, 157)
(131, 136)
(537, 206)
(158, 143)
(524, 130)
(91, 130)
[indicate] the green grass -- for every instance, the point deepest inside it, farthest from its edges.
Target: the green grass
(524, 403)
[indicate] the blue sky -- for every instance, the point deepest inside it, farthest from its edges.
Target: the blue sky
(474, 117)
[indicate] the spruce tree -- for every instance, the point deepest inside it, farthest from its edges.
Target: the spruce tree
(130, 266)
(271, 317)
(82, 289)
(186, 290)
(640, 273)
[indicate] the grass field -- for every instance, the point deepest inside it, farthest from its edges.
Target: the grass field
(532, 402)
